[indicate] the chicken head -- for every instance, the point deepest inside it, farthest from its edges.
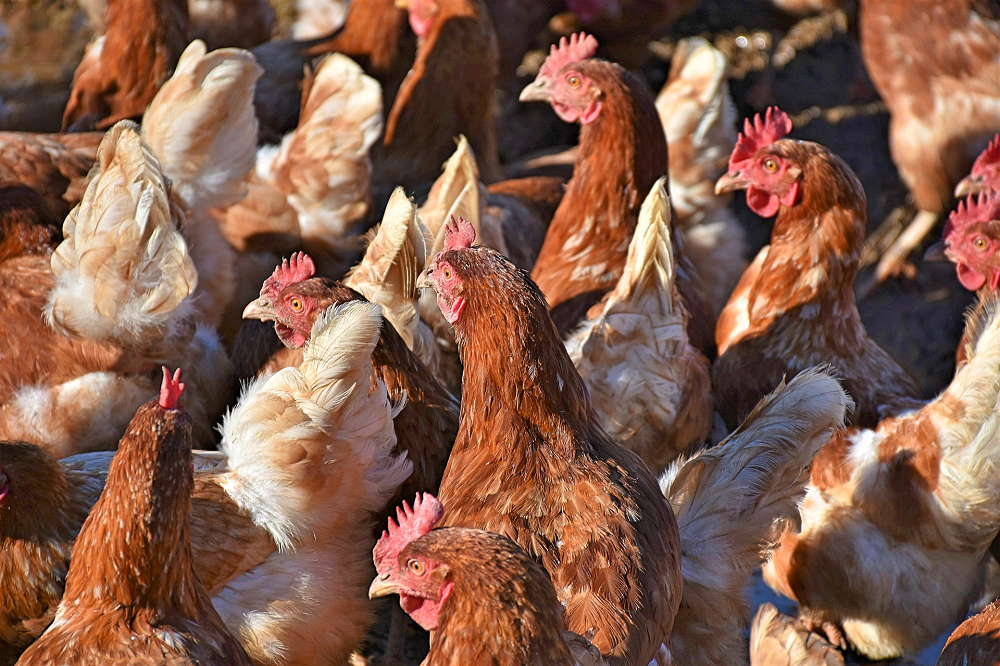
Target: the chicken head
(421, 14)
(421, 581)
(285, 301)
(985, 173)
(770, 179)
(972, 241)
(444, 277)
(574, 96)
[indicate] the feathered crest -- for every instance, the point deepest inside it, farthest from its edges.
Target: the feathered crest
(459, 235)
(988, 157)
(981, 208)
(297, 268)
(413, 523)
(760, 133)
(578, 47)
(171, 389)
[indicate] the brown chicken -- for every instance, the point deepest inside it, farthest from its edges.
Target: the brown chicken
(444, 576)
(794, 307)
(132, 596)
(975, 641)
(123, 70)
(27, 224)
(623, 151)
(54, 165)
(936, 64)
(897, 521)
(286, 570)
(532, 463)
(985, 172)
(971, 240)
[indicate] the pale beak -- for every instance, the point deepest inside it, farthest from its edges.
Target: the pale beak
(424, 281)
(730, 182)
(259, 309)
(382, 587)
(936, 252)
(536, 91)
(969, 185)
(402, 4)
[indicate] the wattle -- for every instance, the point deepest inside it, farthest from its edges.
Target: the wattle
(762, 202)
(970, 279)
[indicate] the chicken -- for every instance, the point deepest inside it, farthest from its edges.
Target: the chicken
(201, 127)
(971, 240)
(650, 387)
(532, 463)
(778, 640)
(699, 120)
(897, 521)
(937, 67)
(123, 69)
(285, 570)
(794, 306)
(27, 224)
(622, 153)
(443, 577)
(975, 641)
(727, 500)
(54, 165)
(87, 328)
(985, 172)
(449, 90)
(133, 566)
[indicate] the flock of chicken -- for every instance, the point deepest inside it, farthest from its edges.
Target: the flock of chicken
(590, 417)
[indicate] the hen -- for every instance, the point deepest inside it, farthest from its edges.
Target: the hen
(485, 600)
(532, 463)
(937, 67)
(122, 71)
(971, 240)
(897, 520)
(133, 567)
(54, 165)
(975, 641)
(794, 306)
(27, 224)
(88, 328)
(622, 153)
(286, 570)
(648, 385)
(985, 172)
(699, 120)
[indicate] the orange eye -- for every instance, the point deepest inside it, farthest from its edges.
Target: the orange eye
(771, 164)
(416, 567)
(295, 304)
(446, 273)
(573, 81)
(980, 243)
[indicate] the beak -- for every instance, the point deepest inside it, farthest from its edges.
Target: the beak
(936, 252)
(730, 182)
(259, 309)
(969, 185)
(424, 281)
(382, 587)
(536, 91)
(402, 4)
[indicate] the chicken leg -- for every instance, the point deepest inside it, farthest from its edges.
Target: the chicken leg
(894, 260)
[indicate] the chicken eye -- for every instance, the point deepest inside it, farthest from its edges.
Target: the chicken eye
(980, 243)
(771, 164)
(295, 304)
(416, 567)
(573, 81)
(446, 273)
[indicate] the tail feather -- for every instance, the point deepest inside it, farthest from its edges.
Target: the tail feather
(324, 166)
(310, 449)
(201, 125)
(123, 271)
(727, 500)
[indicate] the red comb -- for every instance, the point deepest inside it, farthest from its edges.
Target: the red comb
(974, 209)
(459, 235)
(295, 269)
(413, 523)
(579, 47)
(988, 157)
(171, 389)
(759, 134)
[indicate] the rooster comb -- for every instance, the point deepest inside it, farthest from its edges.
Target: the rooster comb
(297, 268)
(981, 208)
(579, 46)
(171, 389)
(760, 133)
(988, 157)
(413, 523)
(459, 234)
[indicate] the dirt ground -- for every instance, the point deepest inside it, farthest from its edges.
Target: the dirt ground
(918, 321)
